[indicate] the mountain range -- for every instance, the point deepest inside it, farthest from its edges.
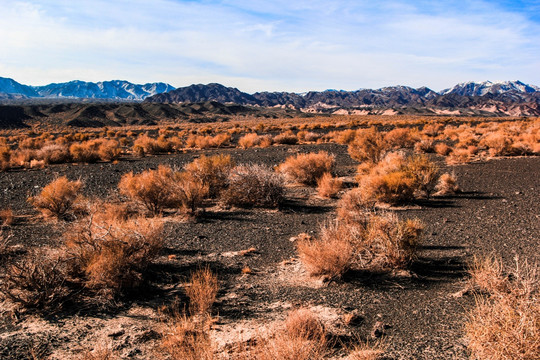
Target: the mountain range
(107, 90)
(508, 98)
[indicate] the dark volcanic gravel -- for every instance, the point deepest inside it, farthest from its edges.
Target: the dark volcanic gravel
(498, 211)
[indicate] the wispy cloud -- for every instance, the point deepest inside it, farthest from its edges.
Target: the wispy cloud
(270, 45)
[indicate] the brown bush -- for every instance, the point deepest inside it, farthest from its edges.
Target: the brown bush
(304, 324)
(253, 186)
(459, 156)
(286, 138)
(205, 142)
(368, 145)
(399, 138)
(212, 171)
(109, 150)
(443, 149)
(331, 255)
(505, 325)
(189, 191)
(329, 186)
(111, 256)
(5, 157)
(6, 217)
(424, 172)
(154, 189)
(86, 152)
(425, 146)
(447, 184)
(202, 290)
(307, 168)
(145, 145)
(98, 354)
(37, 280)
(188, 339)
(353, 205)
(249, 140)
(57, 198)
(54, 154)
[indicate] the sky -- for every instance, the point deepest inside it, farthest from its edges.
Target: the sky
(271, 45)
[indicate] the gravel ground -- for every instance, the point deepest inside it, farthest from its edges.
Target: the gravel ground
(422, 315)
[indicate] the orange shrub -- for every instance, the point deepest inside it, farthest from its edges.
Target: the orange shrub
(109, 150)
(249, 140)
(54, 154)
(307, 168)
(154, 189)
(399, 138)
(286, 138)
(368, 145)
(253, 186)
(212, 171)
(443, 149)
(86, 152)
(112, 256)
(57, 198)
(201, 291)
(329, 186)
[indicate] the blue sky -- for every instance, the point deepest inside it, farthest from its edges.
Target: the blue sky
(259, 45)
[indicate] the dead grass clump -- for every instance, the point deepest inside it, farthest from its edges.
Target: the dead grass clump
(329, 186)
(368, 145)
(506, 324)
(459, 156)
(202, 290)
(332, 254)
(212, 171)
(286, 138)
(57, 198)
(154, 189)
(54, 154)
(188, 339)
(447, 185)
(37, 280)
(6, 217)
(304, 324)
(253, 186)
(344, 137)
(249, 140)
(85, 152)
(145, 145)
(353, 204)
(99, 354)
(399, 138)
(443, 149)
(425, 146)
(112, 256)
(307, 168)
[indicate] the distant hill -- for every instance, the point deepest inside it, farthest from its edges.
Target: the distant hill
(509, 98)
(106, 90)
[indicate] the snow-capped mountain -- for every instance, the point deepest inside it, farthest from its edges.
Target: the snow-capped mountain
(472, 88)
(11, 87)
(113, 90)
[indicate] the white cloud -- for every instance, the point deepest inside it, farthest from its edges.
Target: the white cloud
(267, 45)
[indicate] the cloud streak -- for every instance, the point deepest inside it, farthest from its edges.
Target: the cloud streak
(270, 45)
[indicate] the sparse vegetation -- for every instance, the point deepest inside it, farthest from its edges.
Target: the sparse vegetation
(307, 168)
(57, 198)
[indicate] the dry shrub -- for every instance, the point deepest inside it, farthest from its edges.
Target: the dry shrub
(190, 192)
(368, 145)
(311, 137)
(6, 217)
(99, 354)
(286, 138)
(425, 146)
(85, 152)
(368, 242)
(399, 138)
(57, 198)
(304, 324)
(212, 171)
(398, 179)
(154, 189)
(344, 137)
(145, 145)
(447, 184)
(505, 325)
(5, 157)
(329, 186)
(37, 280)
(307, 168)
(188, 339)
(249, 140)
(253, 186)
(433, 129)
(302, 338)
(443, 149)
(331, 255)
(498, 144)
(54, 154)
(109, 150)
(390, 242)
(202, 290)
(459, 156)
(366, 351)
(205, 142)
(353, 204)
(111, 256)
